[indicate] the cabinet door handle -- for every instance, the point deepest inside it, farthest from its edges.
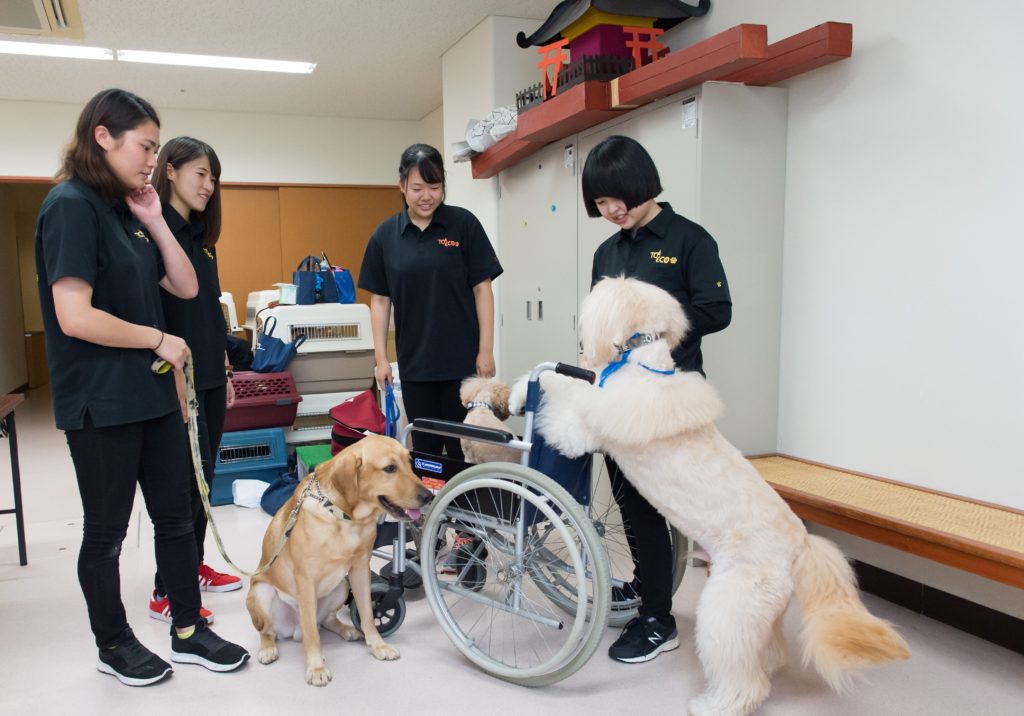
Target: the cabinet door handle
(528, 316)
(540, 310)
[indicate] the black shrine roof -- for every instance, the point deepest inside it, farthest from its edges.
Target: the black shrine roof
(668, 13)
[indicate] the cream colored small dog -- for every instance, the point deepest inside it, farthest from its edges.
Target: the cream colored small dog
(308, 583)
(486, 399)
(658, 425)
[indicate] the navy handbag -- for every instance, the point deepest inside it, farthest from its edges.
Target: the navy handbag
(272, 355)
(343, 279)
(314, 285)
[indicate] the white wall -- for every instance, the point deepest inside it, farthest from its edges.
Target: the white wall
(430, 131)
(902, 341)
(252, 147)
(483, 70)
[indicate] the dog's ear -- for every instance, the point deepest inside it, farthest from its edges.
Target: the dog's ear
(468, 390)
(345, 473)
(499, 399)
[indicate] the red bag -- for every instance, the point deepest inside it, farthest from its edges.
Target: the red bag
(354, 418)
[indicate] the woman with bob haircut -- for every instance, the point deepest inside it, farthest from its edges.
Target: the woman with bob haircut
(187, 180)
(656, 245)
(434, 263)
(103, 251)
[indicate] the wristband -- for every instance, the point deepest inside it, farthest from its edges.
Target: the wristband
(160, 342)
(229, 374)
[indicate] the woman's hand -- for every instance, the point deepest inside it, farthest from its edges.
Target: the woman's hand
(485, 364)
(172, 349)
(231, 394)
(383, 373)
(145, 204)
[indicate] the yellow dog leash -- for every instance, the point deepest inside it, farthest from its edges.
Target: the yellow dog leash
(161, 366)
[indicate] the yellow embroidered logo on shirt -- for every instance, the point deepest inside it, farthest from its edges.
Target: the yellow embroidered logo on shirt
(718, 284)
(658, 258)
(142, 235)
(209, 254)
(448, 242)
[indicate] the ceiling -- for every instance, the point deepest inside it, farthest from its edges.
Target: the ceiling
(375, 58)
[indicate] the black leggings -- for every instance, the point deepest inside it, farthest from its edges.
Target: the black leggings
(649, 542)
(434, 399)
(212, 407)
(109, 462)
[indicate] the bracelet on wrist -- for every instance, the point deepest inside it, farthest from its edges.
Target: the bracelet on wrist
(229, 374)
(160, 342)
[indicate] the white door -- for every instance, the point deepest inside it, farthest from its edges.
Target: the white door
(537, 220)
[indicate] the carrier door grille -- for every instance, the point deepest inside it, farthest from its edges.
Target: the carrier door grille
(242, 453)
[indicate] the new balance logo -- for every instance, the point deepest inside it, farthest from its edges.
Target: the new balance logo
(654, 638)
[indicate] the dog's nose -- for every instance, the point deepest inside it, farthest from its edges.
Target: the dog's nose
(424, 496)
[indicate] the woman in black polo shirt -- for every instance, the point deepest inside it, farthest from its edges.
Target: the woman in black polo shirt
(434, 264)
(187, 180)
(102, 250)
(656, 245)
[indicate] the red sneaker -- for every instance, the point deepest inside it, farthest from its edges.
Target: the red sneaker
(210, 580)
(161, 609)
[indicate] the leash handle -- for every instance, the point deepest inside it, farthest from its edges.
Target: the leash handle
(391, 411)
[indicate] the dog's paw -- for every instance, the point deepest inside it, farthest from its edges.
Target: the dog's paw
(318, 676)
(517, 396)
(267, 655)
(349, 632)
(385, 652)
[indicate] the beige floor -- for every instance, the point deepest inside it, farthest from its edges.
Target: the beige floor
(48, 657)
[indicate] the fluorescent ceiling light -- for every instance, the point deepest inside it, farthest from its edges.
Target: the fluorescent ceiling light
(230, 63)
(45, 50)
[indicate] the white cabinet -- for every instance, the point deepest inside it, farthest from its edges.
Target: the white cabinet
(720, 150)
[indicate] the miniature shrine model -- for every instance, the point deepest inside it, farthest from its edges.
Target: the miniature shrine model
(603, 57)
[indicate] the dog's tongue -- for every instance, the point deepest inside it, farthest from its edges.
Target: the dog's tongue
(413, 514)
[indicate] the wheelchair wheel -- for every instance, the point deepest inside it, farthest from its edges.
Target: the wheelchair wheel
(387, 621)
(607, 521)
(489, 536)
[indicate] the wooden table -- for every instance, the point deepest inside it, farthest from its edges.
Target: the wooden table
(7, 405)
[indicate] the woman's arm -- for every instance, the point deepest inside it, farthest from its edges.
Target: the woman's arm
(380, 321)
(180, 279)
(483, 296)
(78, 318)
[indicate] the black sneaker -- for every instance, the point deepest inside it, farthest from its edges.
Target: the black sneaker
(643, 638)
(131, 663)
(206, 649)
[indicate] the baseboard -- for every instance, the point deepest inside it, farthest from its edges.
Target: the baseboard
(983, 622)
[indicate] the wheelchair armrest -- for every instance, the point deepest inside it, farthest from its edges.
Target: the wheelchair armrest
(470, 432)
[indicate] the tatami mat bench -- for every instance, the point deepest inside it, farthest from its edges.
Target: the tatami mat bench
(983, 539)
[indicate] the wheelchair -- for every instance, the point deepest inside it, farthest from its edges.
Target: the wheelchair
(514, 558)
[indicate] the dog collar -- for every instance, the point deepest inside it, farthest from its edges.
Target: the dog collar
(314, 483)
(478, 404)
(635, 341)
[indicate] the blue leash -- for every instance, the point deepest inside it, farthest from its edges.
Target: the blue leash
(391, 412)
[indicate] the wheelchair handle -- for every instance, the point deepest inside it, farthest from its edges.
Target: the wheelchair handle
(576, 372)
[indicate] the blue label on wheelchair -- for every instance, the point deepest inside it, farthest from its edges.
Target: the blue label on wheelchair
(428, 465)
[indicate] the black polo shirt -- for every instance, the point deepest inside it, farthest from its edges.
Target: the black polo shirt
(679, 256)
(80, 235)
(200, 320)
(429, 276)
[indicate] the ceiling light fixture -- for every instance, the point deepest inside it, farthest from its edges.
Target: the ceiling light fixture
(77, 52)
(230, 63)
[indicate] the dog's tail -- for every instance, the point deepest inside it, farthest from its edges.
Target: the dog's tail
(840, 637)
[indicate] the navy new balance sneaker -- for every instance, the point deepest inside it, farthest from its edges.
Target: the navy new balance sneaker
(643, 638)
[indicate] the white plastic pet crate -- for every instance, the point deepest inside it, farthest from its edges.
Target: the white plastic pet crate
(227, 303)
(337, 354)
(313, 421)
(256, 302)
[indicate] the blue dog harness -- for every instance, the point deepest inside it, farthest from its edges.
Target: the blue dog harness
(635, 341)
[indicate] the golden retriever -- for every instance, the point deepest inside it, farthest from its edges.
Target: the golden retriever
(308, 583)
(486, 400)
(658, 425)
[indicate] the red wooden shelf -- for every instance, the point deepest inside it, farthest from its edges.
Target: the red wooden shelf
(580, 107)
(805, 51)
(712, 59)
(740, 54)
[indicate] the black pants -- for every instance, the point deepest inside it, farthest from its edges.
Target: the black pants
(212, 407)
(649, 542)
(434, 399)
(109, 462)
